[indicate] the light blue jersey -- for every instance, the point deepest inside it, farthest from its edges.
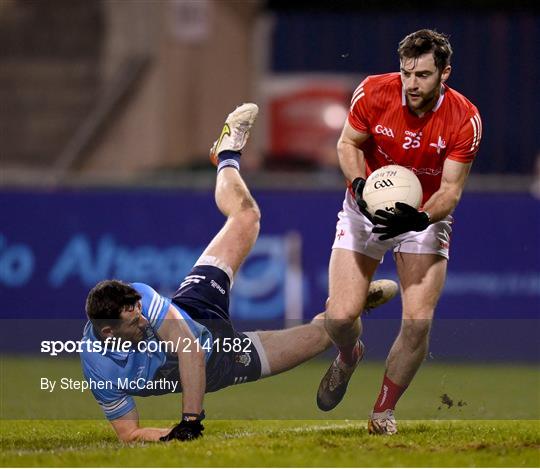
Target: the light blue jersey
(115, 376)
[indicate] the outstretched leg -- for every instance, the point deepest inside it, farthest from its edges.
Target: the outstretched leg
(285, 349)
(234, 241)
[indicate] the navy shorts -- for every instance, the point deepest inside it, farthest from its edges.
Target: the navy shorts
(204, 295)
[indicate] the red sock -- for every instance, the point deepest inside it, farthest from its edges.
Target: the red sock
(389, 395)
(349, 354)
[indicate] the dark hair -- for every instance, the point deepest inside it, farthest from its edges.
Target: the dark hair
(108, 299)
(423, 41)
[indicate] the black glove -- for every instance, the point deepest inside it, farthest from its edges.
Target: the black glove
(358, 189)
(189, 428)
(405, 219)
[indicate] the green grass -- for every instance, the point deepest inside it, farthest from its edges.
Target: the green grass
(275, 422)
(278, 443)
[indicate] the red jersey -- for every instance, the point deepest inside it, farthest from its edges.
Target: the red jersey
(452, 129)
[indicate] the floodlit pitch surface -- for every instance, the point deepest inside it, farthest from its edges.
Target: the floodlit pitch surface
(489, 416)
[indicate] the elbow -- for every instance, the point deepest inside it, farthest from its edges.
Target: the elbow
(129, 436)
(340, 146)
(194, 354)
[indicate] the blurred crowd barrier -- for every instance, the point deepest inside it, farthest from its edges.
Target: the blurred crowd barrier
(55, 245)
(123, 88)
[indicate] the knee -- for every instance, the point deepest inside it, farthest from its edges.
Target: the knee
(340, 316)
(250, 216)
(250, 211)
(318, 319)
(415, 332)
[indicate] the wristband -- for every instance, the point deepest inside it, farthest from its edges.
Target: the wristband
(188, 417)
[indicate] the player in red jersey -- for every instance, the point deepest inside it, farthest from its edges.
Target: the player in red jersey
(412, 119)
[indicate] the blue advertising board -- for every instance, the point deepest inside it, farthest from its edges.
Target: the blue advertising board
(54, 246)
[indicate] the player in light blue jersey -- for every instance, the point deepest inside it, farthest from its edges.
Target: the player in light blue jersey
(153, 345)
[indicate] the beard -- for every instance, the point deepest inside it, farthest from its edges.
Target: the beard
(422, 101)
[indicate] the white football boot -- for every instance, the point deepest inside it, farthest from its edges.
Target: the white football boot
(235, 132)
(382, 423)
(380, 292)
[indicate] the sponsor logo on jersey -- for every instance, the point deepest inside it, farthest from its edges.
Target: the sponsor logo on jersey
(381, 129)
(340, 234)
(412, 139)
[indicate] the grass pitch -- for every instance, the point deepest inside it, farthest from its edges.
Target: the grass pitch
(493, 421)
(278, 443)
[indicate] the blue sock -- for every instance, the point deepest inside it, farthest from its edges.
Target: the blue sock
(229, 158)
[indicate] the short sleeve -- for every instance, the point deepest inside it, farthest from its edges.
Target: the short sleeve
(468, 140)
(113, 401)
(116, 408)
(358, 112)
(154, 305)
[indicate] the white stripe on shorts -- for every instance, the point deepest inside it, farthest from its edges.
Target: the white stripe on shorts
(216, 262)
(256, 341)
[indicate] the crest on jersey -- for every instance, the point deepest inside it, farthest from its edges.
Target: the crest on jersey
(244, 359)
(440, 145)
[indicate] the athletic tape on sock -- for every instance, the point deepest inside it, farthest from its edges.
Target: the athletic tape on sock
(228, 163)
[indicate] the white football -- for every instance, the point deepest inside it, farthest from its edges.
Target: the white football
(390, 184)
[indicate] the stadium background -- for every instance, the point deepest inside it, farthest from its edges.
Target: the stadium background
(107, 112)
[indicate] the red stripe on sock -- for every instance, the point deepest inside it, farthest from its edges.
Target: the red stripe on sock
(389, 395)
